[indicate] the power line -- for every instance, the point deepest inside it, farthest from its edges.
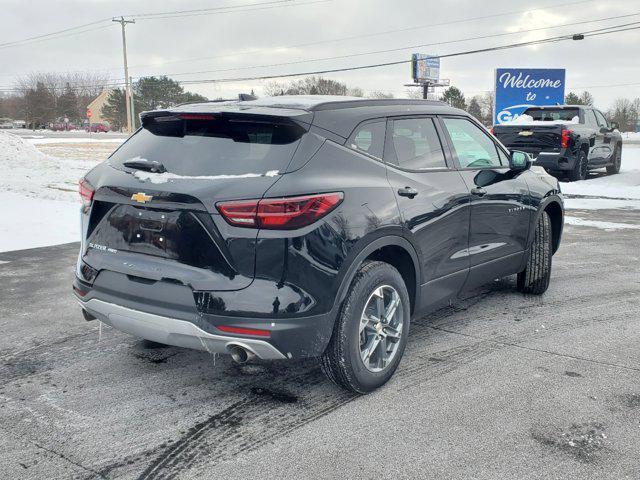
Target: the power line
(55, 35)
(401, 62)
(410, 47)
(374, 34)
(205, 11)
(91, 26)
(555, 39)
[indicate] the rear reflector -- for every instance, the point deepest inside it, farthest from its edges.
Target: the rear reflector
(80, 292)
(279, 213)
(86, 192)
(244, 331)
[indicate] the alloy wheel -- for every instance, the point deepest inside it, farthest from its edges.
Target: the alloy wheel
(381, 326)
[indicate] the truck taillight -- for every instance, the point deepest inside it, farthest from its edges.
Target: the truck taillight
(86, 192)
(279, 213)
(491, 130)
(566, 138)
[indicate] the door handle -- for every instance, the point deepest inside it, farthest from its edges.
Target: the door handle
(407, 192)
(478, 191)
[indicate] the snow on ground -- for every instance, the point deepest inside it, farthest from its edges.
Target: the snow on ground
(601, 191)
(56, 140)
(38, 196)
(609, 226)
(30, 222)
(630, 137)
(29, 172)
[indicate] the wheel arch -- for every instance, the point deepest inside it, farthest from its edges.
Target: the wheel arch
(553, 207)
(394, 250)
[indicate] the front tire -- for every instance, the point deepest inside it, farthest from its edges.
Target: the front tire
(581, 168)
(534, 279)
(617, 161)
(371, 330)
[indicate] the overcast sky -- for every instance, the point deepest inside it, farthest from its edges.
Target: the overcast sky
(274, 36)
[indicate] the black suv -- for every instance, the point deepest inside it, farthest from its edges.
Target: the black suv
(293, 227)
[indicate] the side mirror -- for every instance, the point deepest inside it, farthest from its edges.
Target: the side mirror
(615, 126)
(519, 161)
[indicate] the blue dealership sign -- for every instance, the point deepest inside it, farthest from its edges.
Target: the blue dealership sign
(520, 88)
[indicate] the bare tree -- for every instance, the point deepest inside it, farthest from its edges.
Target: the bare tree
(380, 94)
(311, 86)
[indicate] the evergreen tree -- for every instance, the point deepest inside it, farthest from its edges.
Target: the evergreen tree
(454, 97)
(115, 109)
(67, 106)
(39, 106)
(572, 99)
(475, 109)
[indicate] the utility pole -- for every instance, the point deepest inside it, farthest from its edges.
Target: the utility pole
(127, 87)
(133, 105)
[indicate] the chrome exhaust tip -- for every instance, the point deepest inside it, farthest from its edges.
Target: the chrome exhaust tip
(239, 354)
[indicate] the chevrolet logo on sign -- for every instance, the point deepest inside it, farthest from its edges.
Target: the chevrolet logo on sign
(141, 197)
(526, 133)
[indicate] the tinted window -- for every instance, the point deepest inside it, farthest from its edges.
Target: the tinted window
(472, 145)
(369, 138)
(213, 147)
(552, 114)
(602, 122)
(417, 145)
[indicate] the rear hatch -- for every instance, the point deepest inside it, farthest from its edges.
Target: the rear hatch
(153, 215)
(538, 129)
(532, 139)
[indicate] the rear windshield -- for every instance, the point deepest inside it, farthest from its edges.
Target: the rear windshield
(212, 146)
(552, 114)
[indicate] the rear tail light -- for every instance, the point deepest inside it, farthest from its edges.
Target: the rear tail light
(491, 130)
(279, 213)
(566, 138)
(86, 192)
(196, 116)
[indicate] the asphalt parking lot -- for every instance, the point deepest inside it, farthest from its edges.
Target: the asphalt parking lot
(498, 386)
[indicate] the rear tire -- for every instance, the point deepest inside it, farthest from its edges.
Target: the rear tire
(534, 279)
(580, 169)
(358, 328)
(617, 161)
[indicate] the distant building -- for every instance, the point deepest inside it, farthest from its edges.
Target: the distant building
(96, 107)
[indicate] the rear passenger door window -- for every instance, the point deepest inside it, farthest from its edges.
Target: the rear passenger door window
(369, 138)
(416, 144)
(473, 146)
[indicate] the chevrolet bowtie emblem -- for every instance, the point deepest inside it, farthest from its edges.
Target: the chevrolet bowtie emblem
(526, 133)
(141, 197)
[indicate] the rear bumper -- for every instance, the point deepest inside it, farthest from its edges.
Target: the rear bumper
(167, 313)
(172, 331)
(555, 161)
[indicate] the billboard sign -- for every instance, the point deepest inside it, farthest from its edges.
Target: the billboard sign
(425, 68)
(516, 89)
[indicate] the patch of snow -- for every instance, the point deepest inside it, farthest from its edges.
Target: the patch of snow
(48, 140)
(608, 191)
(35, 222)
(168, 177)
(600, 204)
(630, 136)
(609, 226)
(528, 120)
(29, 172)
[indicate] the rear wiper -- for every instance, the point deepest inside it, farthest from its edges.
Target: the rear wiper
(149, 166)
